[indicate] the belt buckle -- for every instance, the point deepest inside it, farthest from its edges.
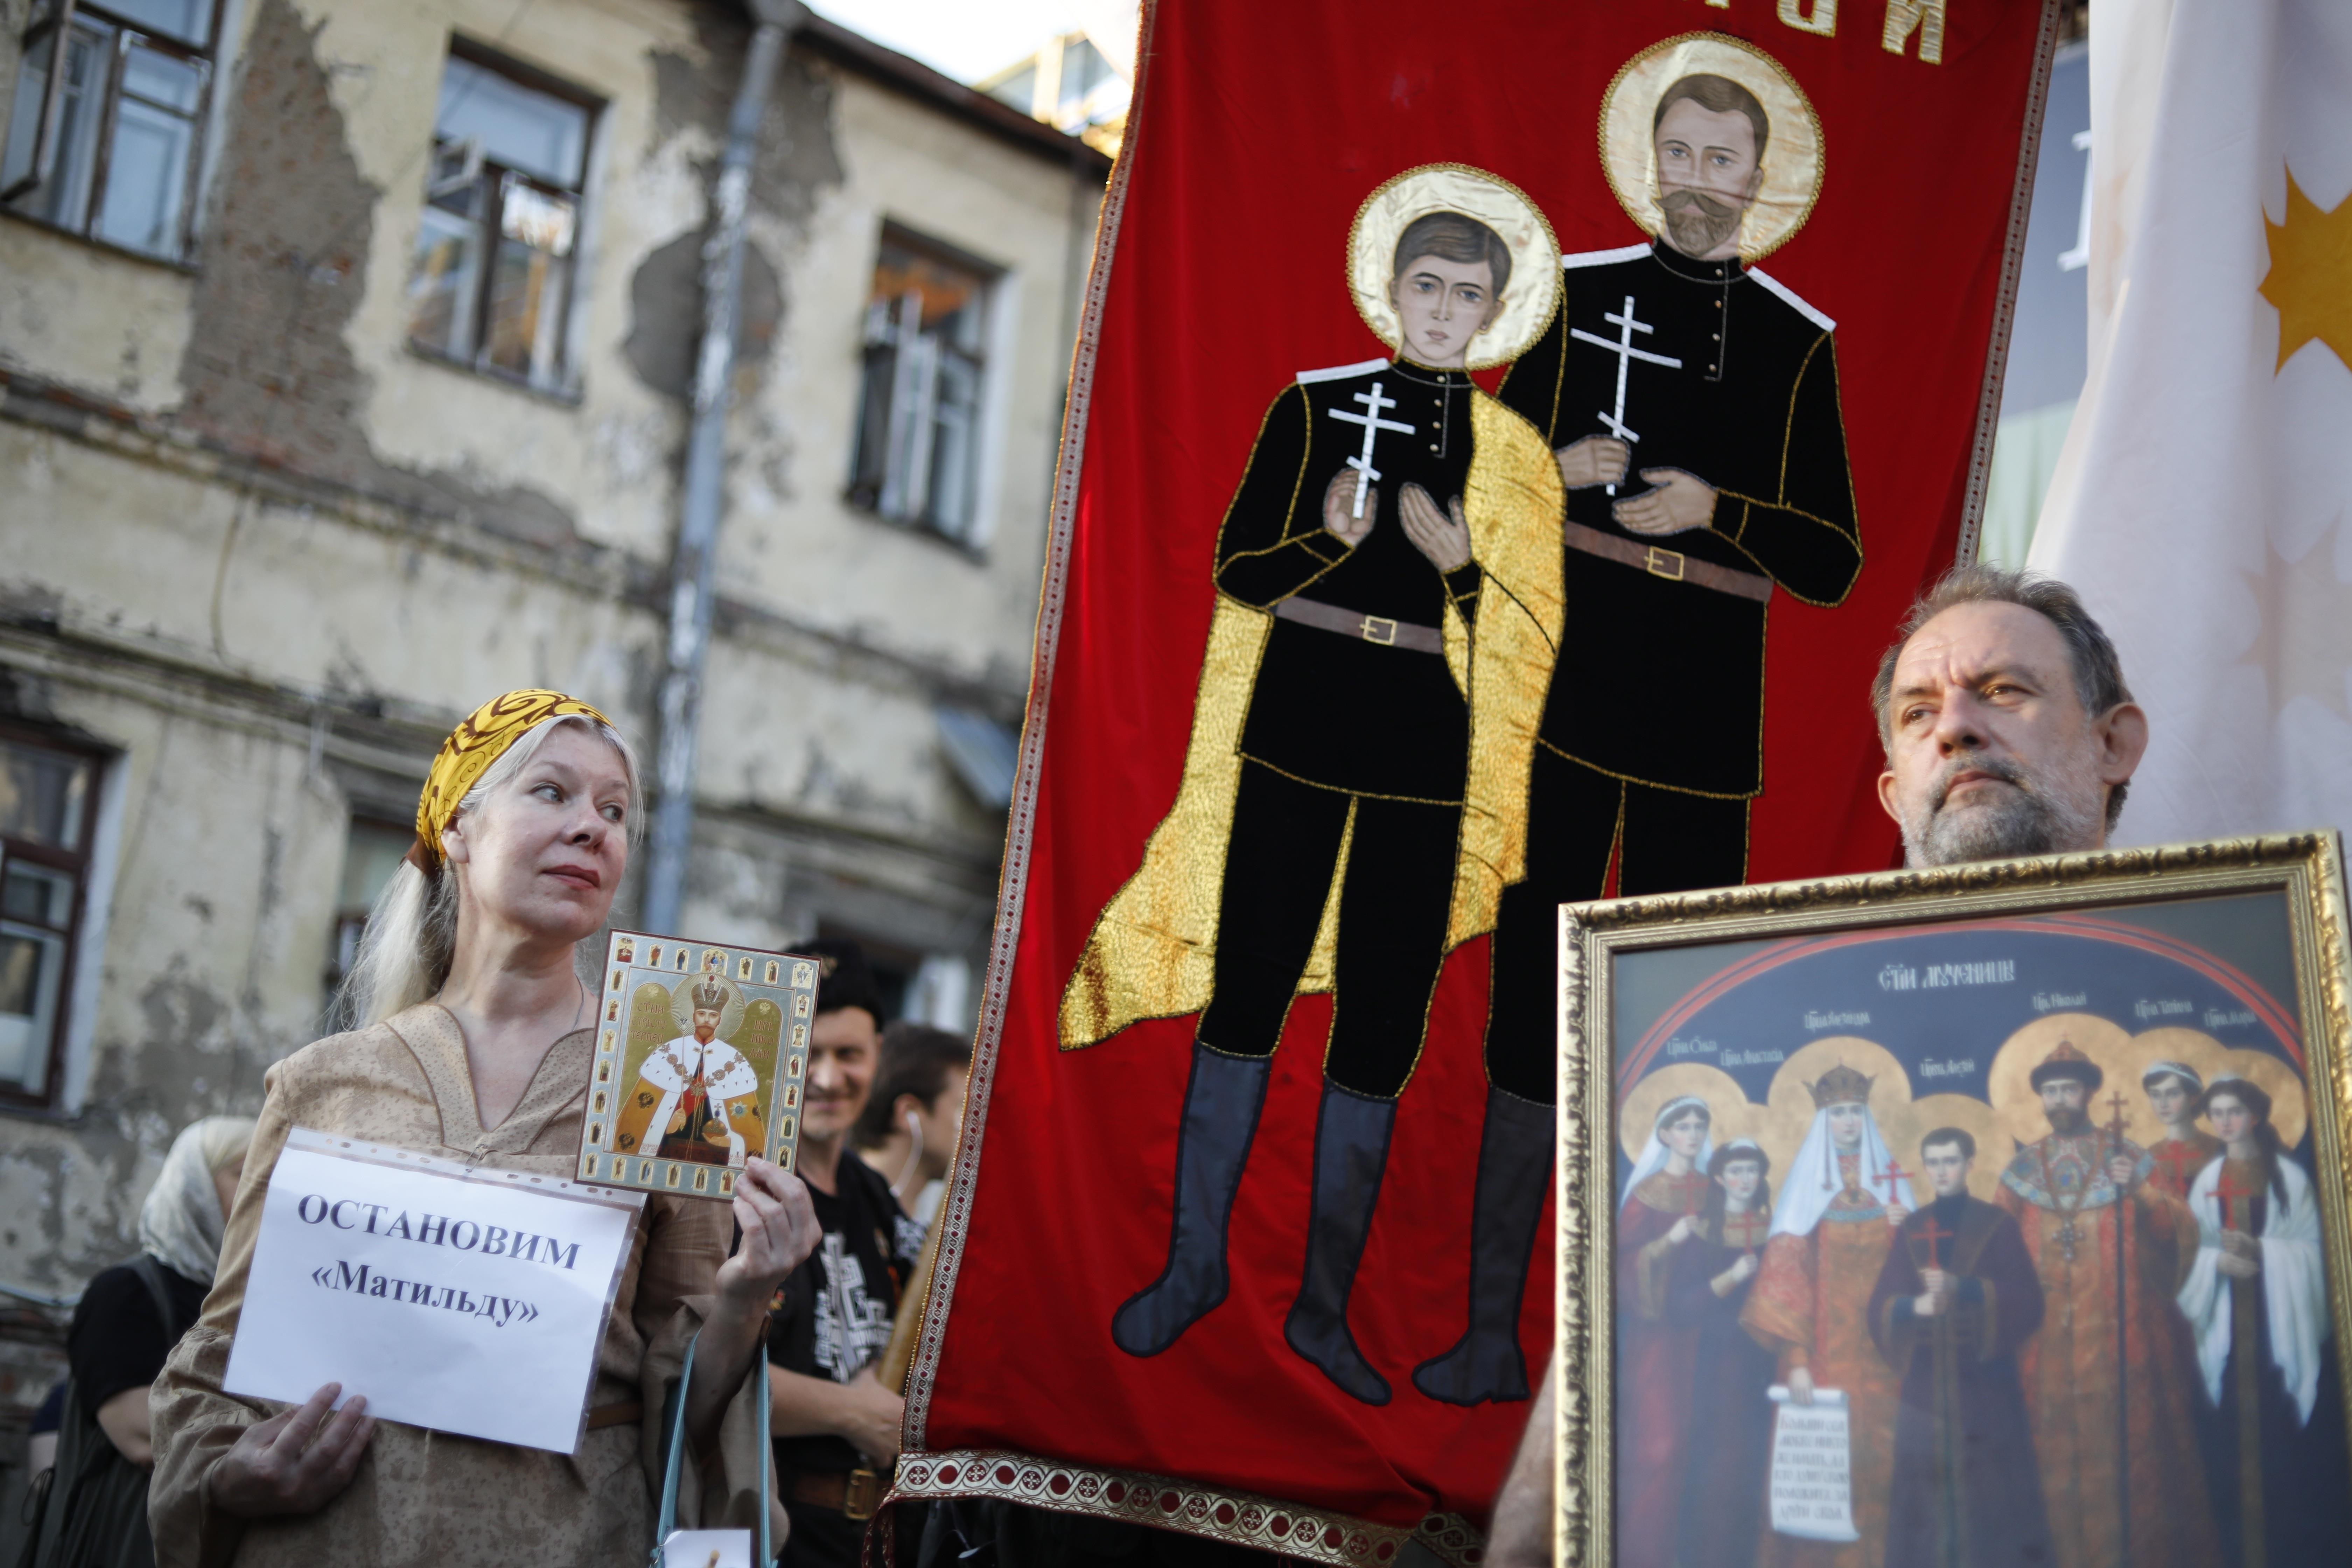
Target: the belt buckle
(1379, 629)
(1666, 563)
(861, 1494)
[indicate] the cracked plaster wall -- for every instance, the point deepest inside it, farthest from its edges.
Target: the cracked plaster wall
(438, 536)
(460, 535)
(211, 972)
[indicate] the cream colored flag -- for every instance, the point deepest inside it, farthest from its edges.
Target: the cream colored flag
(2203, 504)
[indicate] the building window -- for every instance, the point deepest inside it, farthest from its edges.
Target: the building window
(920, 411)
(373, 851)
(490, 282)
(47, 797)
(104, 132)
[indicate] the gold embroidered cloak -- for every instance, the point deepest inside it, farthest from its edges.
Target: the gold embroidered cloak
(1152, 951)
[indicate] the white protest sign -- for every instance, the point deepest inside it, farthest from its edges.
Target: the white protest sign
(461, 1299)
(707, 1549)
(1812, 1468)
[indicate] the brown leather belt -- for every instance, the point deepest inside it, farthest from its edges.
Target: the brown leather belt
(852, 1494)
(1671, 565)
(604, 1416)
(1355, 624)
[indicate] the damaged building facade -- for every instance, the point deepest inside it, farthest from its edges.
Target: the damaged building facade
(344, 352)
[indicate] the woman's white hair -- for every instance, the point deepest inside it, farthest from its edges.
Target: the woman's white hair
(412, 933)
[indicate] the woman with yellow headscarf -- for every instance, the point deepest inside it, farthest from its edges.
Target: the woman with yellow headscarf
(474, 1043)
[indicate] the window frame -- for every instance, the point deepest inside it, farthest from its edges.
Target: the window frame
(986, 391)
(56, 20)
(488, 176)
(82, 864)
(351, 919)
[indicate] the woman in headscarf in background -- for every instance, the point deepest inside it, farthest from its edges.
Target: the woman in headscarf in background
(1659, 1217)
(95, 1509)
(474, 1044)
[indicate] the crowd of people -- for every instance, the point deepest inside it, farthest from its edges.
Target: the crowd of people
(2007, 728)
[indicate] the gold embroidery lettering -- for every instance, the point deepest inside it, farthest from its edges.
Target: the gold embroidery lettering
(1905, 17)
(1823, 19)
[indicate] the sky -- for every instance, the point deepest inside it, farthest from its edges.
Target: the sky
(967, 39)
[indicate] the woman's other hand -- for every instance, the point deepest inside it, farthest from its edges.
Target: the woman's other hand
(780, 1230)
(298, 1461)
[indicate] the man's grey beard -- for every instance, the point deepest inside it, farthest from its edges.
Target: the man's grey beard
(1696, 223)
(2027, 820)
(2064, 1119)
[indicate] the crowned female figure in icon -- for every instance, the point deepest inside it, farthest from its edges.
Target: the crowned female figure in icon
(1660, 1219)
(697, 1097)
(1809, 1306)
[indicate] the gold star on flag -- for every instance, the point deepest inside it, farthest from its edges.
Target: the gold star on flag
(2310, 278)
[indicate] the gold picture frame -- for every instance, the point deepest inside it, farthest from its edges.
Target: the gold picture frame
(1775, 984)
(701, 1051)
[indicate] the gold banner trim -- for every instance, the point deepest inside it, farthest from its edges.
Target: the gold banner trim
(1243, 1519)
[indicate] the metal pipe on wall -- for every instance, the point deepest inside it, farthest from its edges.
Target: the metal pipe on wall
(691, 563)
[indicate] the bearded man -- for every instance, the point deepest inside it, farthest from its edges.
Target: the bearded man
(2009, 731)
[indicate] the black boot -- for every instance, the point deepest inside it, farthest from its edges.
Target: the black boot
(1514, 1157)
(1221, 1107)
(1351, 1150)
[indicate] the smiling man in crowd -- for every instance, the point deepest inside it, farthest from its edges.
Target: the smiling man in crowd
(836, 1425)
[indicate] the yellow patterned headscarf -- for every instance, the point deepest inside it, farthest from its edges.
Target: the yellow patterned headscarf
(482, 739)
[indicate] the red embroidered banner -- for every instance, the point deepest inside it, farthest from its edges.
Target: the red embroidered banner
(1502, 439)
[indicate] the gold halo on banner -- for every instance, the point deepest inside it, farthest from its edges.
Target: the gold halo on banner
(2010, 1083)
(681, 1004)
(1906, 1124)
(1528, 299)
(1730, 1113)
(1794, 155)
(1789, 1105)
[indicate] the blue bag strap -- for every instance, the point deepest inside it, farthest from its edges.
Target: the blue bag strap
(674, 1422)
(674, 1444)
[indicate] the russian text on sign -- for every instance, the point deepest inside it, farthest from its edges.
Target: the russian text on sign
(462, 1299)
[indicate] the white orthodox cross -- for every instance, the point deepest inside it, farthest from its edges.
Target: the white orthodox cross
(1373, 424)
(1626, 353)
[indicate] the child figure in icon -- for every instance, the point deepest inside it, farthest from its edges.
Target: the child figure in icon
(1387, 614)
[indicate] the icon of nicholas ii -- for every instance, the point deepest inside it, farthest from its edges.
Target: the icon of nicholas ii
(1387, 605)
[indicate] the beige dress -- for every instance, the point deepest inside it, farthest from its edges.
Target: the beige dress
(429, 1498)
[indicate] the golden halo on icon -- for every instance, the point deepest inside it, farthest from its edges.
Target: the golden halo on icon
(1527, 297)
(1731, 1114)
(1793, 154)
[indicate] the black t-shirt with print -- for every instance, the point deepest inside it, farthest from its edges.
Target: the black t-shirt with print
(835, 1312)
